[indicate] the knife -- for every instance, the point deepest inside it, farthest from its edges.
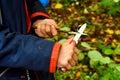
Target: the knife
(76, 38)
(70, 32)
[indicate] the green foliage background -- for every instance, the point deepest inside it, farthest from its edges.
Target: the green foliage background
(99, 57)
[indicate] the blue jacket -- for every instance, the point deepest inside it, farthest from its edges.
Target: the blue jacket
(19, 49)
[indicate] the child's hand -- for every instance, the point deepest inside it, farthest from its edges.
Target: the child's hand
(45, 28)
(68, 55)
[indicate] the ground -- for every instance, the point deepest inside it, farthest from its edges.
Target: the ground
(103, 29)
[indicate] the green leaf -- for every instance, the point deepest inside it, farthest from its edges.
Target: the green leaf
(107, 51)
(86, 45)
(118, 68)
(94, 55)
(51, 39)
(81, 56)
(94, 63)
(62, 41)
(106, 3)
(56, 38)
(65, 28)
(117, 51)
(105, 76)
(112, 65)
(105, 60)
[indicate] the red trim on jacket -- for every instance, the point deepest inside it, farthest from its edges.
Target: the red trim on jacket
(39, 14)
(27, 17)
(54, 57)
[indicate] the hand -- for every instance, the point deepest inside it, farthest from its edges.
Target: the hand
(68, 55)
(45, 28)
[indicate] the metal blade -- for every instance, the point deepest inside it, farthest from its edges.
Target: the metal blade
(80, 32)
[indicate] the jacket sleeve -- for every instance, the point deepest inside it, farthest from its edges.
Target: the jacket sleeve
(36, 10)
(27, 51)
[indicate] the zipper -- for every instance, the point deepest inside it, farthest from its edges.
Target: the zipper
(2, 73)
(28, 75)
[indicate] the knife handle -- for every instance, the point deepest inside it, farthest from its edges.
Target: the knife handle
(73, 43)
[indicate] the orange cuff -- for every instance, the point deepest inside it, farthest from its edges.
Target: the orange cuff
(39, 14)
(54, 57)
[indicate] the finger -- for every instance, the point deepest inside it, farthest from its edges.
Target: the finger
(54, 30)
(68, 67)
(38, 33)
(75, 58)
(56, 26)
(76, 51)
(38, 30)
(48, 30)
(71, 62)
(54, 23)
(43, 30)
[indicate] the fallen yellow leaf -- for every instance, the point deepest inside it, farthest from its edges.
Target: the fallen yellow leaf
(109, 31)
(58, 6)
